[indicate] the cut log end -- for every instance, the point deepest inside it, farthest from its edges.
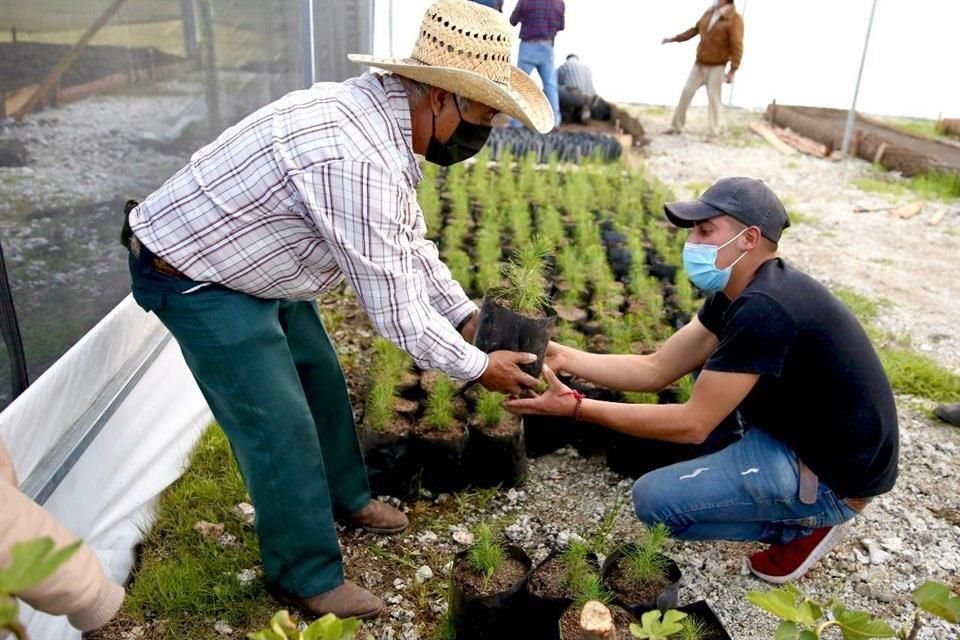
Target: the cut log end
(596, 622)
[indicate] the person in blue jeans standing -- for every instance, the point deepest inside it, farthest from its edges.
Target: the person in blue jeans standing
(540, 21)
(774, 347)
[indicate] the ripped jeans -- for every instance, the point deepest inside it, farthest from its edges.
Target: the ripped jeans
(747, 491)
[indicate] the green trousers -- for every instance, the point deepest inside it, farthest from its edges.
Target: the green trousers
(272, 379)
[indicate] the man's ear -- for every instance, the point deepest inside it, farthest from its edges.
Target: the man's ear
(437, 98)
(753, 237)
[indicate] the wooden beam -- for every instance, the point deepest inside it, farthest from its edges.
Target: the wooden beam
(66, 61)
(767, 134)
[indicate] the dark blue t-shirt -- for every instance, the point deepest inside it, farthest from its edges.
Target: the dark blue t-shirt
(822, 389)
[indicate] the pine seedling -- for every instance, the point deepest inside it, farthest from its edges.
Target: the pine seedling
(439, 414)
(577, 567)
(591, 588)
(490, 407)
(390, 362)
(692, 629)
(486, 555)
(379, 407)
(645, 563)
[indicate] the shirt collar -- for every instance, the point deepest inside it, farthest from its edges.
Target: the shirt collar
(400, 107)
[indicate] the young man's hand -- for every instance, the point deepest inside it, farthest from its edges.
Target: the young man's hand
(504, 375)
(557, 400)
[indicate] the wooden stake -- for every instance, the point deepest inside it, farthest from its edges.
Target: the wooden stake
(878, 156)
(66, 61)
(767, 134)
(596, 622)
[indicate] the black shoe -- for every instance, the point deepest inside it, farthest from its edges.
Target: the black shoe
(949, 413)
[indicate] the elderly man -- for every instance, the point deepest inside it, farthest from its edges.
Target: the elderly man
(317, 187)
(721, 41)
(773, 345)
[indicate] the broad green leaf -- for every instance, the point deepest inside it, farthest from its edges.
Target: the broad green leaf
(860, 625)
(266, 634)
(780, 602)
(810, 612)
(672, 616)
(651, 627)
(282, 625)
(806, 634)
(8, 610)
(32, 562)
(936, 598)
(787, 631)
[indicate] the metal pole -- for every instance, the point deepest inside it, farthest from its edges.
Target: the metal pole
(309, 43)
(390, 34)
(743, 16)
(10, 329)
(852, 115)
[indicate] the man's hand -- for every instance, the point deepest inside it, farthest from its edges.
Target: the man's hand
(502, 373)
(730, 77)
(557, 400)
(470, 329)
(666, 40)
(557, 357)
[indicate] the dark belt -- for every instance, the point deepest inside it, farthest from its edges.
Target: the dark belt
(142, 253)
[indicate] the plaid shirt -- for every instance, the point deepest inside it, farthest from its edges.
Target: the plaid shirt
(573, 74)
(311, 188)
(539, 19)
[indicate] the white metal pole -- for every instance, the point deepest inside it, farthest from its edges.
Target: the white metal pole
(852, 115)
(743, 15)
(390, 34)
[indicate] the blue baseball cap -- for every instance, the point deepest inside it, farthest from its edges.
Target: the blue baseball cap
(745, 199)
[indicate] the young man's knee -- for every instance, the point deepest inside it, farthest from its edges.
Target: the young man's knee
(647, 501)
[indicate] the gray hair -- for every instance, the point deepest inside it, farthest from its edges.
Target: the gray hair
(417, 92)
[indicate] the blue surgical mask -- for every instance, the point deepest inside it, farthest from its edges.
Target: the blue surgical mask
(700, 263)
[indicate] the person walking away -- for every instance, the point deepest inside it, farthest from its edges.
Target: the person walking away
(540, 21)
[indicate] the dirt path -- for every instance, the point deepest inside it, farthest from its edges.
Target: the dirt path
(907, 262)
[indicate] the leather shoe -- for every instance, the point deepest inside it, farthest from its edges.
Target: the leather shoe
(379, 517)
(949, 413)
(349, 600)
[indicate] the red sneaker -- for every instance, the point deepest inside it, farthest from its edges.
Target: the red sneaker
(784, 563)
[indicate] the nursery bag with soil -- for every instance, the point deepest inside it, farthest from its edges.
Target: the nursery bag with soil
(491, 609)
(660, 593)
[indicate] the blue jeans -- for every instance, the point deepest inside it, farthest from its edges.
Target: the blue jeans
(747, 491)
(539, 56)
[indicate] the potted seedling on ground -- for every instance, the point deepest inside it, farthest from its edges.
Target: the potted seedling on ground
(592, 616)
(31, 562)
(385, 433)
(440, 438)
(640, 577)
(329, 627)
(518, 316)
(488, 588)
(556, 582)
(497, 452)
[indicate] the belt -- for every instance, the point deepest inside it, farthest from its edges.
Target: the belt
(155, 261)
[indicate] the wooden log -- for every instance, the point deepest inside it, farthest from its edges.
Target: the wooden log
(596, 622)
(66, 61)
(949, 126)
(767, 134)
(802, 143)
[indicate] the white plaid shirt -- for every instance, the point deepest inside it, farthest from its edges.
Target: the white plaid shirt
(318, 185)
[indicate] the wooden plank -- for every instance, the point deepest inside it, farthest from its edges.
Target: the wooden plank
(767, 134)
(938, 216)
(66, 61)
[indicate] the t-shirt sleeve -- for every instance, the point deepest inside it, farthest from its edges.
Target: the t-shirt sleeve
(711, 313)
(757, 338)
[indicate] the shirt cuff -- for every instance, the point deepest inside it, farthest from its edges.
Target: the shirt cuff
(101, 610)
(474, 363)
(461, 311)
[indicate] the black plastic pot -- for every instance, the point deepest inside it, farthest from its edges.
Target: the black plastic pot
(442, 459)
(701, 611)
(495, 617)
(391, 460)
(621, 620)
(496, 457)
(546, 434)
(544, 613)
(500, 328)
(633, 457)
(668, 597)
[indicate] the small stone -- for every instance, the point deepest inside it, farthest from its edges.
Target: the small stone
(245, 512)
(228, 541)
(393, 599)
(876, 554)
(424, 573)
(399, 584)
(428, 538)
(209, 531)
(223, 628)
(371, 579)
(892, 544)
(135, 633)
(566, 536)
(462, 536)
(447, 568)
(247, 576)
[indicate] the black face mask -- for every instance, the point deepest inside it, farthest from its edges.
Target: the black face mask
(466, 141)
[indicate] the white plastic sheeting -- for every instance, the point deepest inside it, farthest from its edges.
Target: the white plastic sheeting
(101, 434)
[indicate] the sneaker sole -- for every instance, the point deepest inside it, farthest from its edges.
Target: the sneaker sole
(829, 541)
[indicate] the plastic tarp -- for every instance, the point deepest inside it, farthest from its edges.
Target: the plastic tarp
(101, 434)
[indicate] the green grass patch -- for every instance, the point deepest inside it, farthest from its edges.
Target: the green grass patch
(801, 218)
(184, 580)
(697, 187)
(917, 126)
(909, 372)
(937, 185)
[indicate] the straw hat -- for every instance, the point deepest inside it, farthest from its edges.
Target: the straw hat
(465, 48)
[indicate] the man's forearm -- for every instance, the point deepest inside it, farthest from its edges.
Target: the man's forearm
(668, 422)
(615, 371)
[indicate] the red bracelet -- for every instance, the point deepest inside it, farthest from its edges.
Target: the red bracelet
(579, 396)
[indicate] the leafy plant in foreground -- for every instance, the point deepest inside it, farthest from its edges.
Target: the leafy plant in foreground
(329, 627)
(31, 563)
(656, 626)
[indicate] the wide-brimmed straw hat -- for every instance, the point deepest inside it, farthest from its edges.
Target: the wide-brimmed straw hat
(465, 48)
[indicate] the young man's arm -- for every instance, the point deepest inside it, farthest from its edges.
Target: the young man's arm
(683, 352)
(517, 13)
(715, 395)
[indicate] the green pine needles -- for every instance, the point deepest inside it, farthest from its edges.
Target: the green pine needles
(485, 554)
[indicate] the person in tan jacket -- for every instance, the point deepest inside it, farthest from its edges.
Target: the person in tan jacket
(721, 41)
(79, 589)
